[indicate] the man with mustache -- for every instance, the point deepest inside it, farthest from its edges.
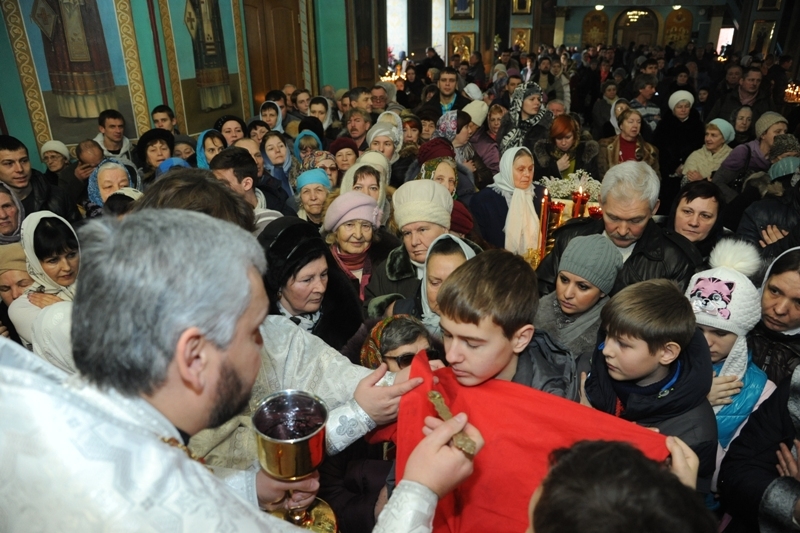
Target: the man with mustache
(358, 122)
(629, 199)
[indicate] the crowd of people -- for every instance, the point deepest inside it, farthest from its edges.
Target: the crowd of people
(154, 292)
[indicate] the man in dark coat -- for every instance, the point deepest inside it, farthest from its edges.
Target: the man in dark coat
(31, 187)
(750, 93)
(629, 198)
(433, 60)
(448, 98)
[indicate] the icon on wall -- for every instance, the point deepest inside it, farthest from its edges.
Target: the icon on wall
(521, 7)
(462, 9)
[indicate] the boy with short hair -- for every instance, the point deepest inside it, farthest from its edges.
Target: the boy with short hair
(653, 367)
(487, 307)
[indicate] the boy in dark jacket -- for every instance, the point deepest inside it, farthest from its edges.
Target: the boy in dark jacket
(487, 307)
(653, 367)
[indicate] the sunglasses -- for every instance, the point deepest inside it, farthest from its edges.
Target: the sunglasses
(404, 360)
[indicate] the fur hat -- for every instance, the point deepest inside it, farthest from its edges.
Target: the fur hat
(341, 143)
(55, 146)
(595, 259)
(724, 298)
(287, 243)
(766, 121)
(422, 201)
(150, 137)
(678, 96)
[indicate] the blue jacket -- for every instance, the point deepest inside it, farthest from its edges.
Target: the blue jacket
(732, 415)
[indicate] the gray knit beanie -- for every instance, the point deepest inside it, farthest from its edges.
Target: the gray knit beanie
(783, 144)
(595, 259)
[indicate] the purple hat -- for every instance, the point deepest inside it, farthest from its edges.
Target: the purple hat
(349, 206)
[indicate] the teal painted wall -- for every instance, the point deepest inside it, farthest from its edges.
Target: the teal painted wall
(331, 34)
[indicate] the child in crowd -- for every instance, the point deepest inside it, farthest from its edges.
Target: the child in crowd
(486, 308)
(723, 299)
(654, 368)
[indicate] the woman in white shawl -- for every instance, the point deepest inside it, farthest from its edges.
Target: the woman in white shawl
(52, 254)
(379, 162)
(505, 211)
(445, 254)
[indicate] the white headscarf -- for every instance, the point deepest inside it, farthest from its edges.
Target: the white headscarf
(522, 222)
(43, 283)
(429, 318)
(795, 331)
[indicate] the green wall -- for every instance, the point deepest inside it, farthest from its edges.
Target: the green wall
(331, 33)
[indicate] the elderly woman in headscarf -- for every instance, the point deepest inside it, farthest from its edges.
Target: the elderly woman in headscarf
(209, 144)
(442, 170)
(52, 253)
(456, 127)
(325, 161)
(611, 126)
(14, 280)
(109, 176)
(351, 229)
(368, 177)
(527, 121)
(703, 162)
(313, 187)
(271, 114)
(505, 211)
(12, 213)
(304, 283)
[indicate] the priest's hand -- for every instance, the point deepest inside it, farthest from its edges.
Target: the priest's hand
(274, 494)
(685, 462)
(436, 463)
(382, 403)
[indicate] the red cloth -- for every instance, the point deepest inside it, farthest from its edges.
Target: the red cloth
(521, 426)
(627, 150)
(461, 219)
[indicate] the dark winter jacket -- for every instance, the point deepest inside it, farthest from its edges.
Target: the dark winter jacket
(276, 197)
(46, 197)
(725, 106)
(536, 133)
(659, 253)
(585, 155)
(774, 353)
(679, 409)
(435, 103)
(547, 365)
(752, 490)
(782, 211)
(677, 139)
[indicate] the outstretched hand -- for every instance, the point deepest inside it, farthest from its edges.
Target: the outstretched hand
(436, 463)
(382, 403)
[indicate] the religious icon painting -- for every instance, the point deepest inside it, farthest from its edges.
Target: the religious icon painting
(212, 80)
(462, 9)
(76, 59)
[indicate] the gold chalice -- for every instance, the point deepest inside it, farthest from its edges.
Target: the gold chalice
(290, 432)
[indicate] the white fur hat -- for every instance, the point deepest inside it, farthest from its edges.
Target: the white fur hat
(724, 298)
(422, 201)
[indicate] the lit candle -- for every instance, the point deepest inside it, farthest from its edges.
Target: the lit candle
(543, 225)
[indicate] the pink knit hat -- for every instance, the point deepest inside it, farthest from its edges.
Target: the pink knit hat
(349, 206)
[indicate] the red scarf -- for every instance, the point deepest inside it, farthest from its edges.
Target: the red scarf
(350, 262)
(521, 427)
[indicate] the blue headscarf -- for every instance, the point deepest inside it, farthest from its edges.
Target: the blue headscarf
(202, 162)
(94, 189)
(305, 133)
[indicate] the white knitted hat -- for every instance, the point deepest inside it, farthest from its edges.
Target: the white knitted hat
(724, 298)
(422, 201)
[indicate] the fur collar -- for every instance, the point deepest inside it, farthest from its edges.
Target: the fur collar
(586, 150)
(399, 265)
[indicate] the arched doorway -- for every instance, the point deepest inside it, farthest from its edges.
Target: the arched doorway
(638, 25)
